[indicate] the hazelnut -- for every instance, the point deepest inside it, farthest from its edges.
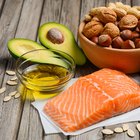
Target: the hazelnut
(137, 40)
(107, 15)
(94, 39)
(137, 30)
(135, 34)
(104, 40)
(128, 44)
(111, 29)
(117, 42)
(55, 36)
(128, 22)
(92, 28)
(126, 34)
(138, 25)
(138, 45)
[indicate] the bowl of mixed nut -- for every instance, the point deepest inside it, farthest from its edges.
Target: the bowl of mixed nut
(110, 37)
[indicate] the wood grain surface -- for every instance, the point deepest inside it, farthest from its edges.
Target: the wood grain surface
(21, 19)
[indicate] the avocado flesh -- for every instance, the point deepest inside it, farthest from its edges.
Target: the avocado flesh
(17, 47)
(69, 45)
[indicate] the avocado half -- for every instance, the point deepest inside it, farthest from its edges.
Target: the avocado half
(19, 46)
(69, 44)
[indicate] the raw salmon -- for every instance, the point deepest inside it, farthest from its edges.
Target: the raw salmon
(93, 98)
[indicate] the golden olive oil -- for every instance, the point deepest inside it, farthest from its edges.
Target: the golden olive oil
(45, 77)
(41, 81)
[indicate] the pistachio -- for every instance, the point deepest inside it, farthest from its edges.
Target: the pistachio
(55, 36)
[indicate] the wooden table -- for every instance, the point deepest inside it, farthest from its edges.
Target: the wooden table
(21, 18)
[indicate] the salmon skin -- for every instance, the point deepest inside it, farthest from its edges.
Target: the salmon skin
(93, 98)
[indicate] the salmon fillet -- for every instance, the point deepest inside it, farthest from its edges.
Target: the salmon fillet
(93, 98)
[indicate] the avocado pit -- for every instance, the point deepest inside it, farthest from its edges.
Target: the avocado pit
(55, 36)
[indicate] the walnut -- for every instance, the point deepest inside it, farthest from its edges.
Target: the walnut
(128, 22)
(111, 29)
(95, 18)
(107, 15)
(92, 28)
(87, 18)
(95, 11)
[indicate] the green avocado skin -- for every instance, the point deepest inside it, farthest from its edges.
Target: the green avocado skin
(69, 45)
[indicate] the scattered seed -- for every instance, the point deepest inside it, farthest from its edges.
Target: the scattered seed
(12, 93)
(11, 83)
(125, 127)
(17, 95)
(118, 130)
(138, 126)
(9, 72)
(107, 131)
(2, 89)
(13, 79)
(6, 98)
(130, 133)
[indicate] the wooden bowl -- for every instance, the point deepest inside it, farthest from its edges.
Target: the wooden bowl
(126, 60)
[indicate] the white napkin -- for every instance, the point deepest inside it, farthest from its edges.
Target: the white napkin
(50, 127)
